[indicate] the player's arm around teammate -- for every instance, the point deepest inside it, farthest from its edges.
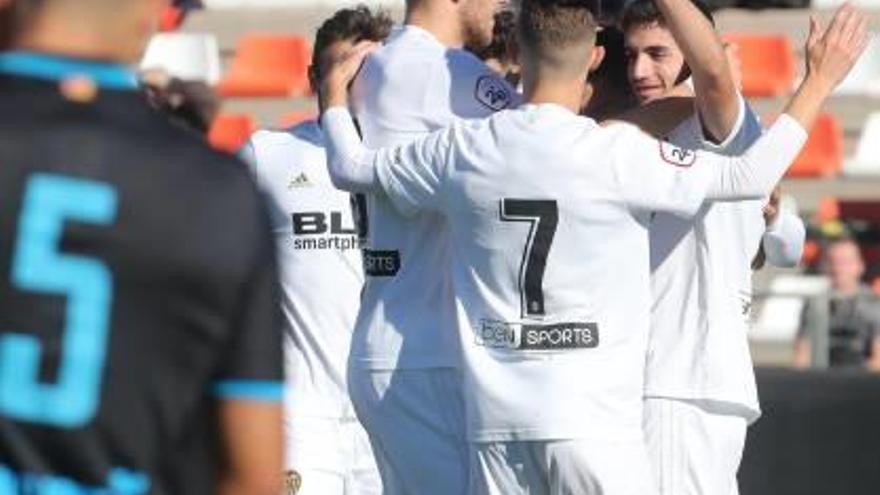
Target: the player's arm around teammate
(831, 55)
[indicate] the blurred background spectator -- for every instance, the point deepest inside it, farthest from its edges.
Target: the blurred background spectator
(192, 104)
(853, 313)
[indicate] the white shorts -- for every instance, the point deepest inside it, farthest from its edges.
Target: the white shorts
(695, 447)
(562, 467)
(330, 457)
(415, 420)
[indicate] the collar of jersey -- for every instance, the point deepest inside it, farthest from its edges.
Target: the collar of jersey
(547, 107)
(59, 68)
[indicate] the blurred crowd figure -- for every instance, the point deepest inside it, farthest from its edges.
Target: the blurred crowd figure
(191, 104)
(853, 313)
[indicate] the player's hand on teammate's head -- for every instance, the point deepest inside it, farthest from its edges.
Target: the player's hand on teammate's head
(832, 51)
(338, 74)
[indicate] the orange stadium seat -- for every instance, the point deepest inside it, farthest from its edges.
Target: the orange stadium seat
(291, 119)
(768, 64)
(822, 156)
(230, 131)
(268, 66)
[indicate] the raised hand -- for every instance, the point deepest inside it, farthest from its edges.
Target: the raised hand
(832, 52)
(338, 74)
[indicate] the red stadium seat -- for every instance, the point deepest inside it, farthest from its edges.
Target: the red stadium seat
(171, 18)
(229, 132)
(822, 156)
(812, 252)
(291, 119)
(268, 66)
(768, 64)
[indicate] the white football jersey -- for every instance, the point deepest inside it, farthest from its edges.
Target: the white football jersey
(548, 216)
(702, 287)
(409, 87)
(319, 257)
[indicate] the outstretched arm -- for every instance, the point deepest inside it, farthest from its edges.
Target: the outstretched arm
(831, 54)
(686, 177)
(411, 176)
(715, 89)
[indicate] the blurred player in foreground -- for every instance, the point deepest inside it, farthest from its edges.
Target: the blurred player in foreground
(319, 241)
(700, 385)
(138, 293)
(548, 216)
(404, 378)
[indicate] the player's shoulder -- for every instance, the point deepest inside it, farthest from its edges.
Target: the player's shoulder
(306, 134)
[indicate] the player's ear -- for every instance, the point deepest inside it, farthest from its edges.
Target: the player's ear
(597, 55)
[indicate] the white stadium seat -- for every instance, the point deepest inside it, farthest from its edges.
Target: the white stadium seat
(188, 56)
(866, 160)
(833, 4)
(781, 312)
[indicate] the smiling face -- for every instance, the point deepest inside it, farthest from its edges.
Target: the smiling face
(654, 61)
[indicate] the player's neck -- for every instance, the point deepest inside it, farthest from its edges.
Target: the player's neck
(563, 93)
(437, 21)
(51, 35)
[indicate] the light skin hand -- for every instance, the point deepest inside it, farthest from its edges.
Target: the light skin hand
(771, 209)
(831, 54)
(339, 73)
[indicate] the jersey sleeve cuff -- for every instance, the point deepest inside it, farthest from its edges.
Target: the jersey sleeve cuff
(254, 390)
(734, 132)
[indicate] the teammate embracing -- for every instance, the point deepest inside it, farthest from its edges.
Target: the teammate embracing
(548, 218)
(319, 240)
(404, 378)
(700, 386)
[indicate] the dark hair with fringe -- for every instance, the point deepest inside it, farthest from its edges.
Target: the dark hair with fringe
(503, 38)
(642, 12)
(353, 24)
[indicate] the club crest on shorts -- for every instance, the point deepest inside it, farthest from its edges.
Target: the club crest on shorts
(676, 155)
(292, 482)
(493, 93)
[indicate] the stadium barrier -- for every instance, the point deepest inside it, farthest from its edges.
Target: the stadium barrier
(819, 435)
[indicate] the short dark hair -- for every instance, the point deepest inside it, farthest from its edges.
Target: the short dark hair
(645, 12)
(548, 24)
(353, 24)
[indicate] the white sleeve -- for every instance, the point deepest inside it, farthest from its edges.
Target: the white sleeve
(349, 162)
(413, 175)
(784, 240)
(658, 176)
(410, 175)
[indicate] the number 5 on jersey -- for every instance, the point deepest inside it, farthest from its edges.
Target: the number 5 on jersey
(542, 215)
(39, 267)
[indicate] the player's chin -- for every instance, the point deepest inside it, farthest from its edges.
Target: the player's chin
(648, 94)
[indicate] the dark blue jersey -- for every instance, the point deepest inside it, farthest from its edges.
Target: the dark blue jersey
(137, 287)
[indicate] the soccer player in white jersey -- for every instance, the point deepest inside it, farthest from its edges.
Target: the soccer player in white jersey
(319, 241)
(548, 216)
(700, 386)
(404, 378)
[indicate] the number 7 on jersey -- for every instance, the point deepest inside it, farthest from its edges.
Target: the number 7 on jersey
(542, 215)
